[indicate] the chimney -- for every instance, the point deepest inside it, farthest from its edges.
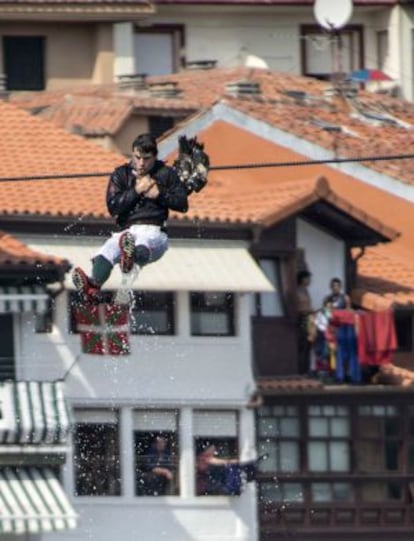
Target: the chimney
(166, 89)
(133, 81)
(240, 89)
(4, 93)
(201, 64)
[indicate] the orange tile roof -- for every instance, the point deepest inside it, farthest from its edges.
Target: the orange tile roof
(258, 196)
(15, 253)
(91, 116)
(30, 146)
(280, 104)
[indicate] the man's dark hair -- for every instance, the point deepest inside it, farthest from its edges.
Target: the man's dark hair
(336, 281)
(145, 143)
(301, 275)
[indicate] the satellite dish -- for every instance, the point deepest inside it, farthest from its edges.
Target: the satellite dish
(332, 15)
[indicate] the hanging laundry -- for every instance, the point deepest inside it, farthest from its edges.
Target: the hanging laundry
(347, 363)
(377, 338)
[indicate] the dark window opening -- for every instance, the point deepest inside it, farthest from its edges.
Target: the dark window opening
(216, 479)
(23, 60)
(404, 331)
(97, 460)
(7, 365)
(156, 463)
(158, 125)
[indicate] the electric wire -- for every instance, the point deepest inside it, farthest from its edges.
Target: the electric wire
(260, 165)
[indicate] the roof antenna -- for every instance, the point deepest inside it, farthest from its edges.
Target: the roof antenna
(333, 16)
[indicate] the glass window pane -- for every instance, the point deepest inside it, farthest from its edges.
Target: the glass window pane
(340, 428)
(289, 427)
(269, 463)
(292, 492)
(339, 456)
(209, 323)
(267, 426)
(317, 456)
(318, 427)
(270, 492)
(321, 492)
(289, 456)
(342, 492)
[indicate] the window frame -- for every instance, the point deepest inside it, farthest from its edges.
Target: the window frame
(228, 308)
(307, 30)
(177, 33)
(78, 472)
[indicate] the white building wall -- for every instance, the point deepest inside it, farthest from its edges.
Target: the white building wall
(325, 256)
(172, 372)
(235, 36)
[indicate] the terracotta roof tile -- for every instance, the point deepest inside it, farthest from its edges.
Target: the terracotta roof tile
(15, 253)
(280, 104)
(287, 384)
(37, 147)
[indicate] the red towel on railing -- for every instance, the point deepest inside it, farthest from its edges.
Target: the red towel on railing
(377, 339)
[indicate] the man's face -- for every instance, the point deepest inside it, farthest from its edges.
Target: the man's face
(336, 287)
(142, 161)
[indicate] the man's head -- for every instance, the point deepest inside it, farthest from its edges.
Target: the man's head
(144, 153)
(336, 285)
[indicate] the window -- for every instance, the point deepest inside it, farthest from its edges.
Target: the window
(158, 49)
(336, 457)
(44, 320)
(378, 449)
(156, 452)
(215, 436)
(329, 433)
(404, 330)
(317, 51)
(158, 125)
(212, 314)
(23, 60)
(96, 453)
(152, 313)
(7, 368)
(279, 431)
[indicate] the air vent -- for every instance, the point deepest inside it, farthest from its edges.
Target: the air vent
(167, 89)
(243, 88)
(201, 64)
(4, 93)
(135, 81)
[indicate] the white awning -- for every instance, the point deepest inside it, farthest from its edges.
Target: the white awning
(188, 265)
(23, 299)
(33, 412)
(32, 501)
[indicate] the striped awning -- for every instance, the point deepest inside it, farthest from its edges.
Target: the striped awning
(23, 299)
(33, 412)
(32, 500)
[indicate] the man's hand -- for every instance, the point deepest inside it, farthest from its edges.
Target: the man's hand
(147, 187)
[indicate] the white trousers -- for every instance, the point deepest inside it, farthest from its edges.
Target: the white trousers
(149, 236)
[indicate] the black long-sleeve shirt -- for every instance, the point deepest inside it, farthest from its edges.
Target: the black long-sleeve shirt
(131, 208)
